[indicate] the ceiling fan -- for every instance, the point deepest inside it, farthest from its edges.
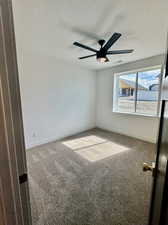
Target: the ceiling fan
(102, 53)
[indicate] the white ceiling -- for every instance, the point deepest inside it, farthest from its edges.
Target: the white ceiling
(50, 27)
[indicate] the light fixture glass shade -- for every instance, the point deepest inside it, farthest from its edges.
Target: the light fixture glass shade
(102, 59)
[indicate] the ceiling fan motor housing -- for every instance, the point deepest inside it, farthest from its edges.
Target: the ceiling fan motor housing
(101, 54)
(101, 42)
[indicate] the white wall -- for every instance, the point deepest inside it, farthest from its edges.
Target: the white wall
(58, 99)
(141, 127)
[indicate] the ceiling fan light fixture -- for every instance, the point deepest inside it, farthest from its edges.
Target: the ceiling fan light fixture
(102, 59)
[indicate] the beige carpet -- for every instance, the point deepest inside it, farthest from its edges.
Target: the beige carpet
(94, 178)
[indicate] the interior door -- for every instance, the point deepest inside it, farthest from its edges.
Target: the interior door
(14, 193)
(159, 200)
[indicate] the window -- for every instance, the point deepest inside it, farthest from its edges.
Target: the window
(137, 92)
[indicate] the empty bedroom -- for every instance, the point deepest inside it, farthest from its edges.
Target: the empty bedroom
(90, 76)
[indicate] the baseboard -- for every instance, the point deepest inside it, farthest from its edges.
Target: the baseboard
(41, 142)
(52, 139)
(133, 136)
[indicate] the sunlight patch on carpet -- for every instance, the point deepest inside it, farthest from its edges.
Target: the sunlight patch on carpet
(101, 151)
(83, 142)
(94, 148)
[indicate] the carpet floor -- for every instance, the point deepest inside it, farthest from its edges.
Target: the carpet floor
(94, 178)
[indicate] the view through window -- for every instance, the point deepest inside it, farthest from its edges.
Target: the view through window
(137, 92)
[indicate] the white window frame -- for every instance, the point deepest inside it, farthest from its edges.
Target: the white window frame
(136, 71)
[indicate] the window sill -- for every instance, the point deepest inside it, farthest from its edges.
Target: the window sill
(136, 114)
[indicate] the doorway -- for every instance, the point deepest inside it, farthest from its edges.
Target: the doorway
(84, 161)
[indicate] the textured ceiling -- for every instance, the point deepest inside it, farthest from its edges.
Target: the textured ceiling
(49, 27)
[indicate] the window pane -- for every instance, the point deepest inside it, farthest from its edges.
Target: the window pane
(148, 91)
(125, 99)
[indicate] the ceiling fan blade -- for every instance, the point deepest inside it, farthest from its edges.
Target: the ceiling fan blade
(84, 46)
(88, 56)
(111, 41)
(115, 52)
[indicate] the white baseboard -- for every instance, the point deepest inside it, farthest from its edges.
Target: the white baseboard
(41, 142)
(52, 139)
(133, 136)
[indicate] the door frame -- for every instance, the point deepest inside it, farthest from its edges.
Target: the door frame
(14, 123)
(157, 214)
